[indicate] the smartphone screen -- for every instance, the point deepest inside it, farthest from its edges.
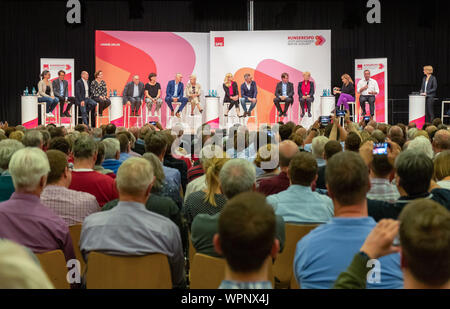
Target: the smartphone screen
(380, 149)
(366, 119)
(340, 113)
(324, 120)
(153, 123)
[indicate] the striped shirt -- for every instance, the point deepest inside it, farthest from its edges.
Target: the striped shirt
(382, 190)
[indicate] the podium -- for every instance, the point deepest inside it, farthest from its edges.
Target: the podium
(417, 109)
(211, 111)
(328, 104)
(116, 111)
(29, 104)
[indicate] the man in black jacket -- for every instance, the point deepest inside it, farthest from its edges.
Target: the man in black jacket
(61, 91)
(82, 97)
(284, 92)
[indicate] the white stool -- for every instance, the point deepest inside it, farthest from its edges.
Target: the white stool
(443, 115)
(289, 117)
(236, 115)
(138, 119)
(99, 118)
(352, 107)
(254, 113)
(72, 117)
(43, 113)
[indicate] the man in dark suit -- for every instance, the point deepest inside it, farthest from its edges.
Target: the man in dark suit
(61, 91)
(284, 92)
(82, 97)
(175, 93)
(133, 94)
(249, 91)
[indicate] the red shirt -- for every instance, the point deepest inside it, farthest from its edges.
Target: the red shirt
(306, 87)
(101, 186)
(231, 89)
(274, 185)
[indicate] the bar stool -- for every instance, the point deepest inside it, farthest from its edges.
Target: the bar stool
(443, 114)
(352, 108)
(99, 120)
(289, 117)
(133, 120)
(254, 113)
(240, 120)
(72, 117)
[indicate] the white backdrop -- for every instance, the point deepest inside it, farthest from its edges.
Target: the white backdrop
(268, 54)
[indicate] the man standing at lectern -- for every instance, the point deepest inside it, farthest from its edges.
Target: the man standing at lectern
(61, 91)
(367, 89)
(82, 97)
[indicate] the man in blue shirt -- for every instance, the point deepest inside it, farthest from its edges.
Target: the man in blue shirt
(299, 204)
(249, 91)
(175, 93)
(328, 249)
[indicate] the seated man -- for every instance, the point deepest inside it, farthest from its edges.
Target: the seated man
(299, 204)
(84, 178)
(112, 154)
(23, 218)
(83, 97)
(72, 206)
(414, 172)
(424, 237)
(133, 94)
(246, 238)
(61, 91)
(129, 228)
(7, 148)
(276, 184)
(328, 249)
(284, 92)
(249, 91)
(175, 93)
(125, 146)
(236, 176)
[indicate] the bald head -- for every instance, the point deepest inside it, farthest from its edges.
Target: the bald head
(441, 141)
(84, 75)
(395, 131)
(369, 129)
(372, 123)
(287, 149)
(136, 79)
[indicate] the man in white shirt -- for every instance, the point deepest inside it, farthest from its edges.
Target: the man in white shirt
(82, 98)
(367, 89)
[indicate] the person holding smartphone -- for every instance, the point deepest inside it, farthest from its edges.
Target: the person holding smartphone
(368, 89)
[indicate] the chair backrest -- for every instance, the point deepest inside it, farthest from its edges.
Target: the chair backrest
(128, 272)
(191, 249)
(207, 272)
(75, 232)
(54, 265)
(283, 266)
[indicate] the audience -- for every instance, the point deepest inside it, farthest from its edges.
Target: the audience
(441, 169)
(266, 163)
(100, 158)
(33, 138)
(299, 204)
(331, 148)
(112, 154)
(323, 253)
(421, 144)
(171, 161)
(7, 149)
(72, 206)
(84, 178)
(129, 228)
(23, 218)
(124, 145)
(352, 142)
(246, 239)
(441, 142)
(317, 149)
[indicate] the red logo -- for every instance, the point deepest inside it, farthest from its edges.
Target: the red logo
(46, 66)
(320, 40)
(381, 66)
(219, 41)
(359, 67)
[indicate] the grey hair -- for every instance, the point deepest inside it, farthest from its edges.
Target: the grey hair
(411, 133)
(112, 146)
(27, 167)
(237, 176)
(97, 132)
(134, 176)
(33, 138)
(318, 146)
(7, 148)
(246, 75)
(157, 170)
(421, 144)
(84, 147)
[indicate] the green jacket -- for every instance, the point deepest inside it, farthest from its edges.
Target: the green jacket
(355, 275)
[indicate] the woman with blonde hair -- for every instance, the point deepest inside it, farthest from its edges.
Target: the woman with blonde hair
(231, 93)
(442, 169)
(193, 92)
(306, 93)
(428, 89)
(210, 200)
(346, 93)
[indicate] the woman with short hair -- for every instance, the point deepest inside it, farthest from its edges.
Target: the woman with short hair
(99, 92)
(306, 93)
(428, 89)
(45, 94)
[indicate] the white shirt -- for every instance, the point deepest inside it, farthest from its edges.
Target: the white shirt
(373, 86)
(86, 88)
(249, 86)
(135, 91)
(426, 83)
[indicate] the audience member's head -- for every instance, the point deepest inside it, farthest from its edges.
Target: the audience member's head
(395, 131)
(303, 169)
(61, 144)
(56, 132)
(298, 139)
(135, 180)
(441, 141)
(331, 148)
(112, 148)
(379, 136)
(267, 158)
(347, 179)
(369, 129)
(84, 149)
(431, 130)
(442, 165)
(100, 153)
(33, 138)
(29, 168)
(124, 142)
(285, 131)
(414, 170)
(212, 178)
(287, 150)
(156, 143)
(412, 125)
(17, 135)
(97, 133)
(110, 129)
(45, 139)
(399, 140)
(352, 142)
(421, 144)
(59, 169)
(380, 167)
(7, 148)
(422, 133)
(318, 145)
(246, 235)
(157, 170)
(237, 176)
(425, 244)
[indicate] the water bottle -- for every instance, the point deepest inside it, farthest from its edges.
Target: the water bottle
(215, 93)
(34, 91)
(115, 92)
(324, 93)
(110, 92)
(329, 93)
(26, 91)
(209, 92)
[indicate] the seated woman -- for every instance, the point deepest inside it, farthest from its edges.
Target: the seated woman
(346, 93)
(231, 93)
(99, 92)
(306, 93)
(193, 92)
(210, 200)
(45, 94)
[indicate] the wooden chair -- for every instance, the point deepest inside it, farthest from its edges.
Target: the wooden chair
(75, 232)
(128, 272)
(54, 265)
(293, 285)
(207, 272)
(283, 266)
(192, 250)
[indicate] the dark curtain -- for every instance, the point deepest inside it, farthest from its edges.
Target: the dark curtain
(411, 35)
